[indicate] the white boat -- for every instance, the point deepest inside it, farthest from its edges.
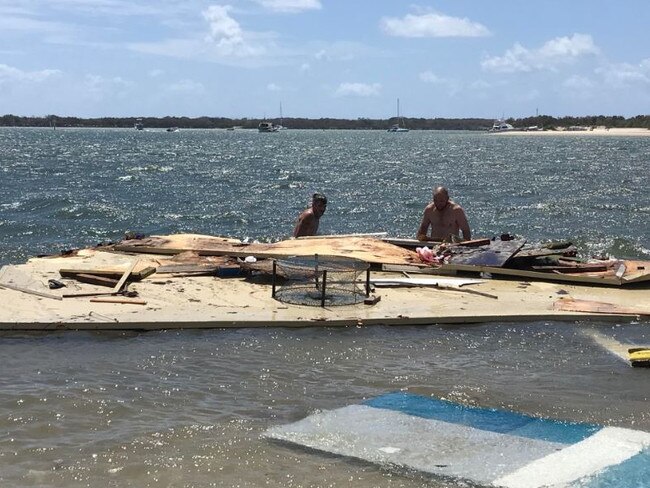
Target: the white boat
(500, 125)
(267, 127)
(172, 129)
(138, 124)
(399, 127)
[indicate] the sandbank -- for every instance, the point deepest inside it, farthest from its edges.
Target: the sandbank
(596, 132)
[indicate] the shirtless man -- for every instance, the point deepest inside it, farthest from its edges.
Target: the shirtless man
(308, 221)
(445, 217)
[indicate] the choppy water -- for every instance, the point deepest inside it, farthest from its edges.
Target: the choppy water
(186, 408)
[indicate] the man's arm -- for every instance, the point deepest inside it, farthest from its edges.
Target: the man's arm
(463, 225)
(424, 227)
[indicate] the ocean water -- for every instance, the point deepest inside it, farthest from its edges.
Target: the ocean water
(187, 408)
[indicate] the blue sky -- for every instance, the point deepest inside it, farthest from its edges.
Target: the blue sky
(324, 58)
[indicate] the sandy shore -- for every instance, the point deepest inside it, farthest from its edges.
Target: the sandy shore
(581, 133)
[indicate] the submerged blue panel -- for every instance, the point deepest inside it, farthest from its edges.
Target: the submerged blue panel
(633, 473)
(500, 421)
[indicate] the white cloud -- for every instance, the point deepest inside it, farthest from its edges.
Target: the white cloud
(155, 73)
(291, 6)
(358, 89)
(225, 31)
(97, 83)
(226, 36)
(9, 73)
(625, 74)
(432, 25)
(578, 83)
(553, 53)
(430, 77)
(273, 87)
(304, 67)
(97, 88)
(187, 86)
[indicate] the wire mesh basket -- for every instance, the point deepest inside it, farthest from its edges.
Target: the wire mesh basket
(321, 281)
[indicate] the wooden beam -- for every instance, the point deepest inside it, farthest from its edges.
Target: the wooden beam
(30, 291)
(118, 300)
(125, 276)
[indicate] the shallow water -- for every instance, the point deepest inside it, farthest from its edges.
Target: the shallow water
(187, 408)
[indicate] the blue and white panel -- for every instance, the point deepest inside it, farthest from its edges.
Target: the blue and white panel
(486, 446)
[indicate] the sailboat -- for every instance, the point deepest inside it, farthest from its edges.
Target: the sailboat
(399, 127)
(281, 126)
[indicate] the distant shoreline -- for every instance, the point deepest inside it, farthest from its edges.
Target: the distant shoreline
(599, 131)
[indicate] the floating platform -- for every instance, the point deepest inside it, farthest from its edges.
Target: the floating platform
(185, 289)
(487, 447)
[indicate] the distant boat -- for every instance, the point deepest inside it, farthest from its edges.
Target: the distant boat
(281, 126)
(267, 127)
(399, 127)
(138, 124)
(500, 125)
(172, 129)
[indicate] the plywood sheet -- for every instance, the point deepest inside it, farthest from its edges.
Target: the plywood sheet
(368, 249)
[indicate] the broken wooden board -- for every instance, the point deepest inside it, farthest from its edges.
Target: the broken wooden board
(636, 272)
(94, 280)
(458, 282)
(590, 306)
(368, 249)
(188, 269)
(496, 253)
(114, 273)
(413, 243)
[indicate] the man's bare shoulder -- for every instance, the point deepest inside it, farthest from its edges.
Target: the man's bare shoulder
(430, 208)
(455, 207)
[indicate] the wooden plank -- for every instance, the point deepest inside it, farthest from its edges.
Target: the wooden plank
(522, 273)
(408, 281)
(30, 291)
(118, 300)
(586, 268)
(337, 236)
(125, 276)
(590, 306)
(88, 294)
(95, 280)
(187, 268)
(107, 272)
(413, 243)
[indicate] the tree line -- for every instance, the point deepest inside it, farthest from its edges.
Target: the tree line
(541, 121)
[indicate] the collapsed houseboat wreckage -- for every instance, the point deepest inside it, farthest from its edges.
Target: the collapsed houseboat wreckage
(198, 281)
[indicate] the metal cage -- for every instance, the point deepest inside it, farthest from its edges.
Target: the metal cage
(320, 280)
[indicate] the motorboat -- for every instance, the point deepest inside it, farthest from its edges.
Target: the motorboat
(172, 129)
(267, 127)
(138, 124)
(500, 125)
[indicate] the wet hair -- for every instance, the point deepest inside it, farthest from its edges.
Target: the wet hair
(319, 197)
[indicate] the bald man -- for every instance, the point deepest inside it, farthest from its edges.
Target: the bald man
(446, 219)
(308, 221)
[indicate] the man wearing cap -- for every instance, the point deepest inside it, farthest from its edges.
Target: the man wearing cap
(308, 221)
(446, 219)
